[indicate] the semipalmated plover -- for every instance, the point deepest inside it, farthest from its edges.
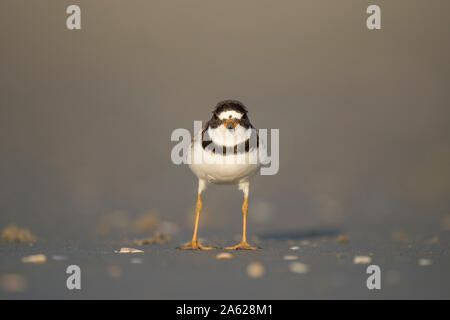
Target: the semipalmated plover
(225, 151)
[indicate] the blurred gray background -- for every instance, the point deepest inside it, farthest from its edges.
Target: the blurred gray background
(86, 116)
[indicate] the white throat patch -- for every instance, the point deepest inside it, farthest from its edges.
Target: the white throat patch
(223, 136)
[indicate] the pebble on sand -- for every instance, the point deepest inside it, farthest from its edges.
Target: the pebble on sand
(224, 255)
(13, 283)
(362, 260)
(425, 262)
(37, 258)
(129, 250)
(290, 257)
(255, 270)
(294, 248)
(297, 267)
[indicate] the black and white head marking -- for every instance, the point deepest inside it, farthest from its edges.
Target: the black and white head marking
(225, 111)
(230, 110)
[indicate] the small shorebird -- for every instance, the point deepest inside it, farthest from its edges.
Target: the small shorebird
(228, 148)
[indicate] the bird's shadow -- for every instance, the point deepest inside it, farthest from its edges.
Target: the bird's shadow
(300, 234)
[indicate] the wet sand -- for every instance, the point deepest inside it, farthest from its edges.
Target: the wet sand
(162, 272)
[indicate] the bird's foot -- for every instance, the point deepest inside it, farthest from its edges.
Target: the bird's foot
(194, 245)
(242, 246)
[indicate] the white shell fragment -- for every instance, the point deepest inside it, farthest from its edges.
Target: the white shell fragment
(129, 250)
(37, 258)
(224, 255)
(297, 267)
(294, 248)
(362, 260)
(255, 270)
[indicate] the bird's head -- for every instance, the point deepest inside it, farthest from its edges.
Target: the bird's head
(230, 116)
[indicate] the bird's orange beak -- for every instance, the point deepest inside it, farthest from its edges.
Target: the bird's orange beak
(230, 123)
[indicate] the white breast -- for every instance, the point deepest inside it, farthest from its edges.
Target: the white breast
(222, 169)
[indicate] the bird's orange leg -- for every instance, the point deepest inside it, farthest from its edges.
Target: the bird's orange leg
(194, 245)
(244, 244)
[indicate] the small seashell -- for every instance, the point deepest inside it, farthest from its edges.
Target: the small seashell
(37, 258)
(297, 267)
(224, 255)
(294, 248)
(255, 270)
(362, 260)
(128, 250)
